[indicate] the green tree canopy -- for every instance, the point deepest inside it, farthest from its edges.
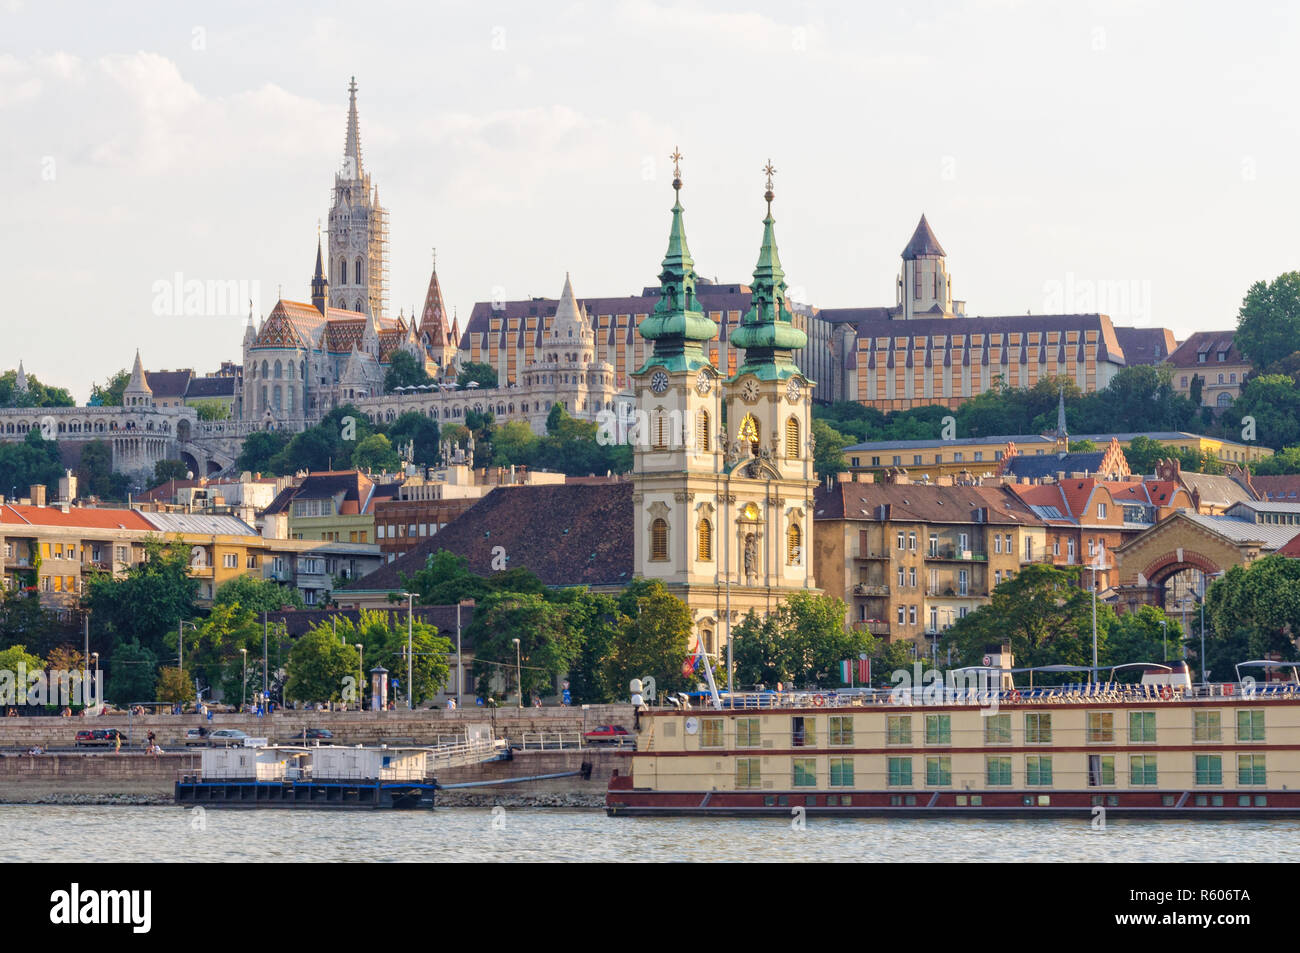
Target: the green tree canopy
(802, 643)
(109, 394)
(148, 600)
(32, 460)
(260, 448)
(404, 371)
(547, 644)
(376, 453)
(324, 667)
(257, 595)
(484, 374)
(653, 638)
(1268, 323)
(38, 394)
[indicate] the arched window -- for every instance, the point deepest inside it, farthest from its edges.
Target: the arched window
(659, 540)
(358, 273)
(279, 397)
(278, 370)
(704, 547)
(792, 438)
(702, 432)
(343, 271)
(661, 430)
(264, 366)
(359, 309)
(1224, 399)
(794, 545)
(289, 370)
(749, 433)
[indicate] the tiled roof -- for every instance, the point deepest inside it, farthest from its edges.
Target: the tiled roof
(927, 503)
(1035, 466)
(202, 523)
(880, 323)
(210, 387)
(169, 383)
(1216, 490)
(1211, 344)
(1145, 345)
(1284, 488)
(77, 516)
(569, 535)
(923, 242)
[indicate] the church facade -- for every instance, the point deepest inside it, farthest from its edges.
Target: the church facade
(722, 513)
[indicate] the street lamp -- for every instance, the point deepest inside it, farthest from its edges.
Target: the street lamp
(519, 672)
(410, 653)
(243, 690)
(460, 662)
(361, 677)
(1205, 590)
(1164, 637)
(95, 668)
(180, 645)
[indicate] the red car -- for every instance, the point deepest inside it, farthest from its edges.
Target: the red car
(602, 734)
(100, 736)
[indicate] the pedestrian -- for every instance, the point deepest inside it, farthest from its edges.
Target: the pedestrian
(117, 742)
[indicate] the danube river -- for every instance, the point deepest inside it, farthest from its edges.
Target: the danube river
(92, 834)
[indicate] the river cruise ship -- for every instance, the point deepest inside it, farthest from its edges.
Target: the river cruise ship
(1162, 747)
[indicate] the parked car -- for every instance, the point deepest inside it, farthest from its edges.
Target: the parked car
(606, 734)
(226, 737)
(197, 736)
(99, 737)
(312, 734)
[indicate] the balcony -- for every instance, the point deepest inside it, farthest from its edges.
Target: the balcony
(958, 555)
(863, 589)
(873, 626)
(868, 555)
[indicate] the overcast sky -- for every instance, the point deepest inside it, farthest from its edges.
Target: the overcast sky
(1136, 158)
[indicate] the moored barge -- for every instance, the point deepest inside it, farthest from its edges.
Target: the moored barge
(1101, 749)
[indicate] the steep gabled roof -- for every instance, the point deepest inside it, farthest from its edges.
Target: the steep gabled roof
(923, 243)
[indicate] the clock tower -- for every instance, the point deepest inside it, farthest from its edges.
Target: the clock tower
(723, 514)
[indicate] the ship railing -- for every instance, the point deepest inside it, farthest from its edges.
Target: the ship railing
(550, 740)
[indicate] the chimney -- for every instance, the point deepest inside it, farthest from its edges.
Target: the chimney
(37, 491)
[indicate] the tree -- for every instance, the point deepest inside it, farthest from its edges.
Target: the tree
(260, 448)
(1195, 389)
(1251, 613)
(420, 430)
(148, 601)
(110, 393)
(37, 395)
(484, 374)
(404, 371)
(34, 460)
(257, 595)
(1268, 323)
(174, 685)
(383, 636)
(376, 453)
(1273, 400)
(653, 638)
(592, 618)
(1041, 613)
(165, 470)
(132, 673)
(17, 655)
(212, 410)
(212, 653)
(323, 668)
(547, 646)
(95, 472)
(801, 643)
(828, 456)
(515, 444)
(1138, 636)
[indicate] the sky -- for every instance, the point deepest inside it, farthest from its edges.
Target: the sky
(1134, 158)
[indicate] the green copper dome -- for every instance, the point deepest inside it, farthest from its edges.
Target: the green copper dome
(767, 332)
(678, 327)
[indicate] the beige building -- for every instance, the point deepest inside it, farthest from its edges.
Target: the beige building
(1213, 357)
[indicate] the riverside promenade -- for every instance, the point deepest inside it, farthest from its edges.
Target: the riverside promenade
(65, 774)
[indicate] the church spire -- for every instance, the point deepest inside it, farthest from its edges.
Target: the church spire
(20, 382)
(433, 316)
(320, 286)
(767, 332)
(138, 393)
(678, 327)
(352, 145)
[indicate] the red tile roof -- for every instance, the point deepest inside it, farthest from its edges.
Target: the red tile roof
(87, 517)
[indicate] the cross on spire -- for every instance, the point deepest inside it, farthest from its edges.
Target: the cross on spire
(677, 168)
(770, 170)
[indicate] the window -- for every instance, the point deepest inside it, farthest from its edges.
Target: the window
(1141, 769)
(702, 436)
(840, 729)
(901, 576)
(1101, 770)
(963, 582)
(997, 771)
(898, 730)
(911, 577)
(1038, 770)
(938, 771)
(1038, 728)
(900, 772)
(997, 729)
(1250, 769)
(1101, 511)
(901, 541)
(747, 733)
(1209, 769)
(1029, 550)
(963, 542)
(1141, 727)
(938, 729)
(1069, 550)
(230, 560)
(793, 546)
(659, 540)
(911, 615)
(902, 615)
(1207, 726)
(711, 733)
(841, 772)
(804, 772)
(997, 543)
(704, 549)
(1101, 726)
(803, 733)
(911, 541)
(934, 545)
(661, 431)
(1250, 725)
(748, 773)
(792, 438)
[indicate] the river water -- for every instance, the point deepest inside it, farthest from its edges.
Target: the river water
(446, 835)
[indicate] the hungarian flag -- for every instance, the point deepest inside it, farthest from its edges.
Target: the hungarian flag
(846, 671)
(855, 670)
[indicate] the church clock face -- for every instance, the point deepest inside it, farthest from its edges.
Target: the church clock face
(792, 390)
(703, 383)
(659, 382)
(749, 390)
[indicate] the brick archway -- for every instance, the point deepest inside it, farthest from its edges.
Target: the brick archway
(1159, 570)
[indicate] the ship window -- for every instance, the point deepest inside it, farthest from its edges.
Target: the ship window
(938, 771)
(747, 733)
(1038, 728)
(1038, 771)
(1250, 725)
(997, 771)
(1141, 727)
(898, 730)
(1209, 769)
(1101, 726)
(803, 732)
(1250, 769)
(804, 773)
(1142, 769)
(842, 772)
(997, 729)
(748, 773)
(711, 733)
(840, 729)
(938, 729)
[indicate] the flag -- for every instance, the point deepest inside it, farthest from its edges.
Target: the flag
(846, 671)
(693, 660)
(864, 671)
